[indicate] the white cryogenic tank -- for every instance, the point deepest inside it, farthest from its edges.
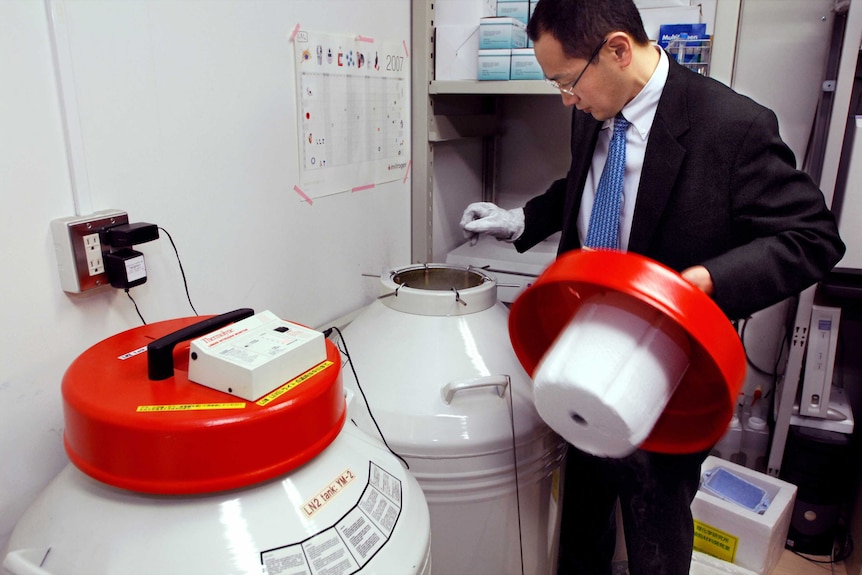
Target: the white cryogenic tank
(434, 360)
(171, 477)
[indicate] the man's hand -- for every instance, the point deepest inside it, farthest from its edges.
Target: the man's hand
(487, 218)
(699, 277)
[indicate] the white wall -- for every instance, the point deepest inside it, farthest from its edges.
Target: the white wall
(187, 114)
(781, 52)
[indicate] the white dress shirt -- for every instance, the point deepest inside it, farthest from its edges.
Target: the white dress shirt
(640, 113)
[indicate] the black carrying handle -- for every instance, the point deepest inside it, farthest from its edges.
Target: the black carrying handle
(160, 353)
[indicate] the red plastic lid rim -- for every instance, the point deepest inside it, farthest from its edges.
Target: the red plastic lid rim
(177, 437)
(700, 410)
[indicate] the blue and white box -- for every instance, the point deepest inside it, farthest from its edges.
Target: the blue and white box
(501, 33)
(669, 33)
(494, 64)
(525, 66)
(517, 9)
(654, 18)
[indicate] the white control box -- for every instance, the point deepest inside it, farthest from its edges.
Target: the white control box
(819, 361)
(252, 357)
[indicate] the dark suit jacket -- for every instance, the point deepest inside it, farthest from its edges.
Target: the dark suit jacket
(718, 188)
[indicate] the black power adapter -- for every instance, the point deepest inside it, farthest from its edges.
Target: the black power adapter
(126, 268)
(127, 235)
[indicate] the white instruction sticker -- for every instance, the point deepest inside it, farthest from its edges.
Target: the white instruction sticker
(346, 546)
(136, 268)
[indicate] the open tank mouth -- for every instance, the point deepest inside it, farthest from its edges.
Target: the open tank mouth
(438, 278)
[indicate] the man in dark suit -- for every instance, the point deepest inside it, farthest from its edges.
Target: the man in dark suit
(710, 190)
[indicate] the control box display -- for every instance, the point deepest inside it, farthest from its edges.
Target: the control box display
(252, 357)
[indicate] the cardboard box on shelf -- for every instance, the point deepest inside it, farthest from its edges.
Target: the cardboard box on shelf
(494, 64)
(501, 33)
(518, 9)
(525, 66)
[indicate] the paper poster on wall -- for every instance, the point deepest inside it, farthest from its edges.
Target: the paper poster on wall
(353, 99)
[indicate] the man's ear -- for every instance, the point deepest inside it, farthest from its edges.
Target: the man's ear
(621, 46)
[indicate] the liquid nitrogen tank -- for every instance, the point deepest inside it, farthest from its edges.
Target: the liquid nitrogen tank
(172, 477)
(433, 358)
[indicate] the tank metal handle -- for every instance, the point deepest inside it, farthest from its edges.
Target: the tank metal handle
(160, 353)
(501, 382)
(27, 561)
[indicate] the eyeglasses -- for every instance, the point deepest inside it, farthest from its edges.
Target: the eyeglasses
(569, 90)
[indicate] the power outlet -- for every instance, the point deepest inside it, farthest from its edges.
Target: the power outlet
(93, 248)
(80, 251)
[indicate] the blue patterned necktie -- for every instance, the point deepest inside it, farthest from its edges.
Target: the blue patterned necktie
(604, 229)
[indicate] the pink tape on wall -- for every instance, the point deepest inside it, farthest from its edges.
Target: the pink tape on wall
(303, 195)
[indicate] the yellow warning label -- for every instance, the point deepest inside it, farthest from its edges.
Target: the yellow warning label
(715, 542)
(190, 407)
(293, 383)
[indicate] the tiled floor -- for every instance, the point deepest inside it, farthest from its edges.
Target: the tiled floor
(792, 564)
(789, 564)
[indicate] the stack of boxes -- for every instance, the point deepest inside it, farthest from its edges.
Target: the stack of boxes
(466, 29)
(493, 46)
(505, 52)
(498, 36)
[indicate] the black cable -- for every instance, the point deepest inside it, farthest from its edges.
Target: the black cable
(182, 271)
(811, 559)
(841, 550)
(136, 306)
(515, 460)
(846, 550)
(365, 399)
(748, 359)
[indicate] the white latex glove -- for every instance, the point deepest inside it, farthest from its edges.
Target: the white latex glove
(487, 218)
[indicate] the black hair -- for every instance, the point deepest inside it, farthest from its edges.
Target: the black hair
(581, 25)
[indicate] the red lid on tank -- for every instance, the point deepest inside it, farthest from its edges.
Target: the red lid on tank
(174, 436)
(701, 408)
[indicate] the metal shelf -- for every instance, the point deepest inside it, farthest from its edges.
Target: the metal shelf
(431, 122)
(428, 128)
(503, 87)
